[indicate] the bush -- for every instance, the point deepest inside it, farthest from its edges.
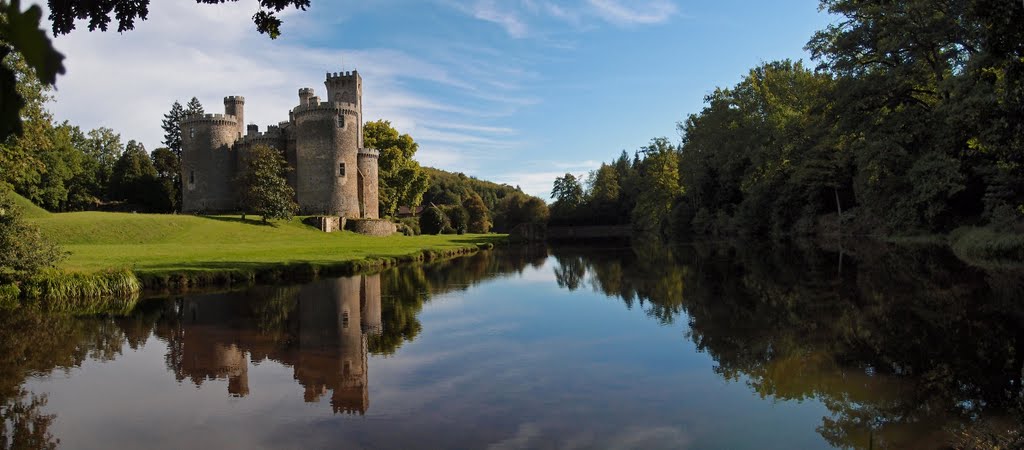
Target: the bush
(433, 220)
(409, 226)
(25, 251)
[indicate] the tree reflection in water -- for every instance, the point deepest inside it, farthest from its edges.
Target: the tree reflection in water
(906, 348)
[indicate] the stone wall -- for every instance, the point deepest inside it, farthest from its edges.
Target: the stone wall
(208, 164)
(369, 176)
(327, 224)
(321, 147)
(371, 227)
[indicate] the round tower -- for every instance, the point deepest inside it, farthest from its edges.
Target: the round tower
(208, 163)
(326, 162)
(304, 95)
(235, 106)
(369, 200)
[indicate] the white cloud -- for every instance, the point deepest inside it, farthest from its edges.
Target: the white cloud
(532, 18)
(638, 13)
(128, 81)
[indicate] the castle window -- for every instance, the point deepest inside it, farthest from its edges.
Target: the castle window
(344, 320)
(191, 177)
(341, 169)
(341, 120)
(192, 132)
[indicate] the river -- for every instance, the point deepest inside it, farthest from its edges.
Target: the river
(598, 346)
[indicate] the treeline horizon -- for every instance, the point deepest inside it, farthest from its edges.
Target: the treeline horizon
(912, 122)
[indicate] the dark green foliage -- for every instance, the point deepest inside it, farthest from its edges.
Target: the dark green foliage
(25, 250)
(409, 226)
(98, 14)
(134, 180)
(168, 175)
(264, 188)
(172, 128)
(193, 108)
(447, 188)
(433, 220)
(458, 218)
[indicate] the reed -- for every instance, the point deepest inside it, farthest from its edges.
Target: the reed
(79, 293)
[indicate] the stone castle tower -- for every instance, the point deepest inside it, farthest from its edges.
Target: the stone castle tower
(322, 140)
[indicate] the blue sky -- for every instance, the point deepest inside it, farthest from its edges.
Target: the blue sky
(514, 91)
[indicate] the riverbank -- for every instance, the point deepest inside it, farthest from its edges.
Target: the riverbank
(174, 253)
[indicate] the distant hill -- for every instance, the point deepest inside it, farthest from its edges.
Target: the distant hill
(448, 188)
(29, 209)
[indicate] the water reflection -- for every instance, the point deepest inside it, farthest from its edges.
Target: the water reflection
(320, 330)
(903, 348)
(906, 348)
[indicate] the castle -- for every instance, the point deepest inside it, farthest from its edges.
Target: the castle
(333, 174)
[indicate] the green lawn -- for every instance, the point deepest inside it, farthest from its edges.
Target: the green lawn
(159, 243)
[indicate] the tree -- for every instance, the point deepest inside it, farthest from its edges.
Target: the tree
(102, 150)
(168, 174)
(26, 251)
(134, 179)
(21, 36)
(519, 208)
(19, 163)
(604, 187)
(433, 220)
(567, 191)
(402, 180)
(193, 108)
(64, 13)
(264, 187)
(479, 215)
(660, 186)
(172, 128)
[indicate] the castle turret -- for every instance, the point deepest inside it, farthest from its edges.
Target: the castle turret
(347, 87)
(326, 158)
(208, 163)
(235, 106)
(304, 95)
(369, 201)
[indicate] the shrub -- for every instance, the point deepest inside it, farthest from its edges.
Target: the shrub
(25, 251)
(433, 220)
(458, 217)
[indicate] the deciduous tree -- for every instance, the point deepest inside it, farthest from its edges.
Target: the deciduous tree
(264, 187)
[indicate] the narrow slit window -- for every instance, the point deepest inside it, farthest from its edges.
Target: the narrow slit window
(341, 120)
(191, 177)
(192, 132)
(344, 320)
(341, 169)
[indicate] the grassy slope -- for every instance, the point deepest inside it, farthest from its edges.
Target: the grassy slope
(149, 243)
(29, 209)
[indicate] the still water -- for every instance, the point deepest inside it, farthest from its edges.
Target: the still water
(597, 347)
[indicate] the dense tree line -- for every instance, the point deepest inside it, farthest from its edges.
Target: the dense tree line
(912, 122)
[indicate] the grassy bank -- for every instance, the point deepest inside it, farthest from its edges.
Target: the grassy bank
(178, 252)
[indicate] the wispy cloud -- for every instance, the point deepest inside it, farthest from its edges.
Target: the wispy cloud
(637, 13)
(537, 18)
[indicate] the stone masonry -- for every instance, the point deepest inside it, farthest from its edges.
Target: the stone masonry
(322, 140)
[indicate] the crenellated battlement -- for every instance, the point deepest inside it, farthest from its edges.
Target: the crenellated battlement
(234, 99)
(369, 153)
(219, 119)
(326, 107)
(342, 75)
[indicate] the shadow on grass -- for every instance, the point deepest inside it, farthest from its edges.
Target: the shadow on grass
(246, 221)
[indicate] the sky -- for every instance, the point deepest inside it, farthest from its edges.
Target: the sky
(512, 91)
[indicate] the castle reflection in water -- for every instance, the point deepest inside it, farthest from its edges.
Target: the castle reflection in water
(320, 330)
